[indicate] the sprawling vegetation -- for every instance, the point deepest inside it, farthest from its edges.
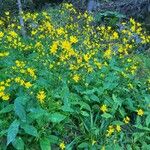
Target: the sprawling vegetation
(67, 84)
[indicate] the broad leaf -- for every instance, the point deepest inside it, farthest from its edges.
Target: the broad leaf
(30, 130)
(18, 144)
(57, 117)
(45, 144)
(12, 131)
(19, 109)
(7, 109)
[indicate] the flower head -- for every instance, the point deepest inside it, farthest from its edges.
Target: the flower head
(41, 96)
(103, 108)
(126, 119)
(62, 146)
(140, 112)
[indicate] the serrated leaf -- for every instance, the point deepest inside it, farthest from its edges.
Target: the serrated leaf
(57, 117)
(45, 144)
(18, 144)
(12, 131)
(29, 129)
(7, 109)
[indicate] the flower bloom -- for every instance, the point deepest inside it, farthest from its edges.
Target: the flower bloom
(103, 108)
(62, 145)
(140, 112)
(118, 128)
(76, 77)
(110, 131)
(126, 119)
(41, 96)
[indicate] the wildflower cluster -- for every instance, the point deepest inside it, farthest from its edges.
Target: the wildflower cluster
(71, 81)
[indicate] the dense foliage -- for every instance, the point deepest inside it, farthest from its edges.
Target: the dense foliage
(71, 85)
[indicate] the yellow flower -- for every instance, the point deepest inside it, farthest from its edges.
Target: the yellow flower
(126, 119)
(13, 34)
(1, 34)
(66, 45)
(140, 112)
(62, 146)
(107, 54)
(54, 47)
(115, 35)
(60, 31)
(118, 128)
(110, 131)
(27, 84)
(41, 96)
(86, 57)
(73, 39)
(5, 97)
(103, 108)
(76, 78)
(2, 94)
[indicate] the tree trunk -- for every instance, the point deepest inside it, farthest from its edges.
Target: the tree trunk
(23, 31)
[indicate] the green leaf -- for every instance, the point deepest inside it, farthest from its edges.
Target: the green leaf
(53, 139)
(147, 120)
(117, 123)
(12, 131)
(57, 117)
(3, 132)
(45, 144)
(107, 115)
(67, 108)
(19, 109)
(85, 113)
(18, 144)
(142, 128)
(83, 145)
(7, 109)
(83, 105)
(93, 97)
(29, 129)
(65, 94)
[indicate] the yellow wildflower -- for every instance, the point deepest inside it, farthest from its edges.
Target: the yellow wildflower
(103, 108)
(76, 78)
(110, 131)
(66, 45)
(41, 96)
(62, 146)
(1, 34)
(115, 35)
(107, 54)
(73, 39)
(118, 128)
(27, 84)
(5, 97)
(54, 47)
(140, 112)
(126, 119)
